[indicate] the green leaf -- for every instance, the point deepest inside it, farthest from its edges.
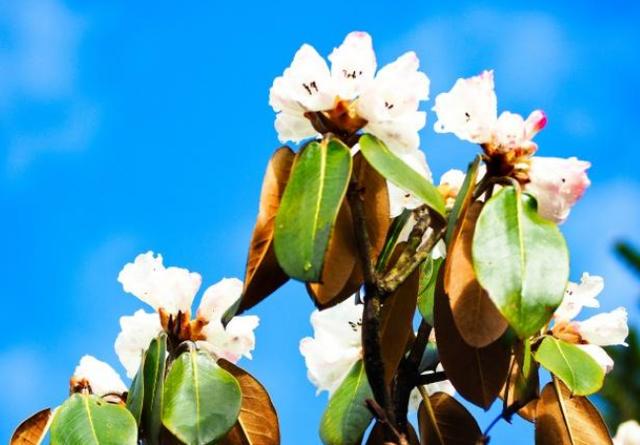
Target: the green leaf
(463, 198)
(399, 173)
(201, 400)
(135, 395)
(576, 368)
(154, 370)
(428, 276)
(309, 207)
(520, 259)
(88, 420)
(347, 417)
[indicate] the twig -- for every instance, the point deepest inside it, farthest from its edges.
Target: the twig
(373, 363)
(433, 377)
(381, 417)
(401, 271)
(407, 377)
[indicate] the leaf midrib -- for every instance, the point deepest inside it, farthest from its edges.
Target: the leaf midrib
(85, 401)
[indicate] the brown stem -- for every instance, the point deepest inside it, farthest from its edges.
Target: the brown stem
(408, 374)
(373, 363)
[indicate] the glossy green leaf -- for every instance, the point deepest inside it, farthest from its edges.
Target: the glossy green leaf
(520, 259)
(465, 194)
(428, 276)
(154, 370)
(399, 173)
(135, 395)
(347, 417)
(309, 208)
(201, 400)
(88, 420)
(576, 368)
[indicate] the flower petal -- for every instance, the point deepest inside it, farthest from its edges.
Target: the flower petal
(599, 355)
(102, 378)
(400, 199)
(628, 433)
(400, 134)
(218, 298)
(136, 332)
(353, 64)
(305, 86)
(469, 110)
(510, 132)
(557, 184)
(578, 296)
(606, 329)
(336, 344)
(294, 128)
(234, 341)
(170, 288)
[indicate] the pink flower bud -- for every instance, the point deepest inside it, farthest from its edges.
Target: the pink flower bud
(536, 121)
(557, 184)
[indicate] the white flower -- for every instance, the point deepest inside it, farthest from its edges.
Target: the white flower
(453, 179)
(628, 433)
(557, 184)
(577, 296)
(387, 101)
(101, 377)
(173, 289)
(599, 355)
(470, 111)
(390, 104)
(399, 199)
(606, 329)
(336, 345)
(136, 332)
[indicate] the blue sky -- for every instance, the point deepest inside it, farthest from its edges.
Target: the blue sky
(127, 126)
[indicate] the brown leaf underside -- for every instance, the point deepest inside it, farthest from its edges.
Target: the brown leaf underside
(454, 424)
(258, 421)
(376, 437)
(32, 430)
(478, 374)
(579, 423)
(263, 274)
(478, 320)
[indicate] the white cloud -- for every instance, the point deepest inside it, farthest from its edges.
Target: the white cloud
(41, 105)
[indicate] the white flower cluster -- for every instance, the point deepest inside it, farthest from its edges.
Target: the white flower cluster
(388, 100)
(170, 290)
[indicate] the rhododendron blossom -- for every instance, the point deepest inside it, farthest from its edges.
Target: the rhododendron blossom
(100, 377)
(173, 289)
(385, 105)
(557, 185)
(470, 111)
(400, 199)
(605, 329)
(336, 346)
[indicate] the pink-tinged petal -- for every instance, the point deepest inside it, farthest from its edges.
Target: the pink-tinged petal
(510, 131)
(557, 184)
(399, 134)
(232, 342)
(353, 64)
(536, 121)
(469, 110)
